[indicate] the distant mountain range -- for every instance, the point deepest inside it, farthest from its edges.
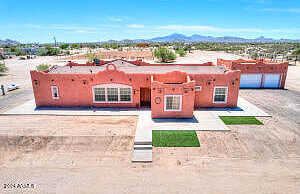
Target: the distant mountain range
(8, 42)
(183, 38)
(199, 38)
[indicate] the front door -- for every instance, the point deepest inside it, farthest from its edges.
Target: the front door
(145, 97)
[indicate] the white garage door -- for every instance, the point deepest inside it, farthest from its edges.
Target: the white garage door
(250, 80)
(272, 80)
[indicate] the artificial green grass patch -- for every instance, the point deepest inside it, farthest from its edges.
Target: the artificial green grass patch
(175, 139)
(228, 120)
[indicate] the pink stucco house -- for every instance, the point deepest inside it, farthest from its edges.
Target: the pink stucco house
(171, 90)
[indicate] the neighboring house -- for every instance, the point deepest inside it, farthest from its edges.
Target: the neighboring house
(258, 73)
(32, 50)
(172, 91)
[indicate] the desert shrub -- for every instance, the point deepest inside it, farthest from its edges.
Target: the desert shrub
(164, 55)
(296, 52)
(254, 56)
(3, 67)
(91, 57)
(43, 67)
(181, 52)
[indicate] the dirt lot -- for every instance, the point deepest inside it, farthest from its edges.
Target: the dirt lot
(65, 154)
(197, 56)
(145, 54)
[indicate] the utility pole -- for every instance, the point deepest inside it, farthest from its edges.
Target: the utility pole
(54, 41)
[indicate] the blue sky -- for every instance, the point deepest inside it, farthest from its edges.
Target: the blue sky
(97, 20)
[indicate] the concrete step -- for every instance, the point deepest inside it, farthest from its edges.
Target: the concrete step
(142, 156)
(142, 147)
(143, 143)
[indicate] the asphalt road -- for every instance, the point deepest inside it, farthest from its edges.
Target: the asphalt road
(15, 98)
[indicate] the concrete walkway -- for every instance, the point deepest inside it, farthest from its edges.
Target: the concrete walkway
(244, 108)
(29, 108)
(202, 121)
(142, 150)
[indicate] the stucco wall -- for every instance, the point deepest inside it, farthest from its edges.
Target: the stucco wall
(158, 92)
(208, 82)
(77, 89)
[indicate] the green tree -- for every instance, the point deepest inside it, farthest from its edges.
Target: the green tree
(114, 46)
(64, 46)
(43, 67)
(74, 46)
(20, 52)
(164, 55)
(49, 51)
(188, 48)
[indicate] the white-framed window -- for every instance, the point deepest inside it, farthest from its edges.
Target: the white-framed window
(198, 88)
(173, 102)
(220, 94)
(99, 94)
(112, 93)
(54, 91)
(125, 94)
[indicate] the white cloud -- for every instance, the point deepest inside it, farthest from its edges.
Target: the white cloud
(36, 26)
(135, 26)
(60, 27)
(115, 19)
(289, 10)
(109, 25)
(71, 28)
(85, 32)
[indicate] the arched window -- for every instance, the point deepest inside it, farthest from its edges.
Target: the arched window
(112, 93)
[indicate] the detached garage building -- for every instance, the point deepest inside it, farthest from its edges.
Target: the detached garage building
(258, 73)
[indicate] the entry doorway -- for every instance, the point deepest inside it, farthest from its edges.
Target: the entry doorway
(145, 97)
